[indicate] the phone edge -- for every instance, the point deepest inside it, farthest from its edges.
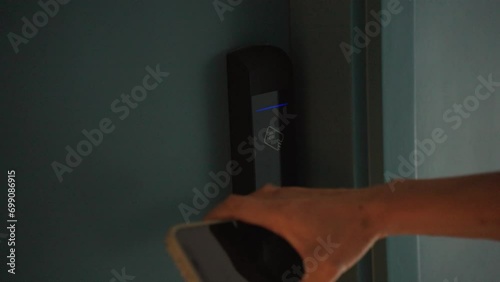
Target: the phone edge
(180, 259)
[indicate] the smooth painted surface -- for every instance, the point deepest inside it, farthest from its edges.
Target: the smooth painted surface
(323, 85)
(399, 120)
(454, 42)
(113, 210)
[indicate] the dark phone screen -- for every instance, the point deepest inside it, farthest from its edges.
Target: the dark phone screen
(238, 252)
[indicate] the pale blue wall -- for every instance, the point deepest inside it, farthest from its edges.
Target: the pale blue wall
(114, 209)
(446, 46)
(455, 42)
(399, 120)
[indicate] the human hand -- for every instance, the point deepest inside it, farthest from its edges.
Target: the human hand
(331, 229)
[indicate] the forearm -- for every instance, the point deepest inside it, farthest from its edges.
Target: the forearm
(466, 206)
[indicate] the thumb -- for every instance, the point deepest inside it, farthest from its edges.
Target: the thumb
(244, 208)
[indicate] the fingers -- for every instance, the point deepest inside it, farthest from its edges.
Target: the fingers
(272, 191)
(227, 209)
(245, 208)
(266, 191)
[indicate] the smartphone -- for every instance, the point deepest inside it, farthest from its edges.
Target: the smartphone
(232, 251)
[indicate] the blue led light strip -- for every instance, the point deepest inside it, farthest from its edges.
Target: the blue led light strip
(272, 107)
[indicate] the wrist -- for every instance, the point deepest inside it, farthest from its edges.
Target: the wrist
(378, 202)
